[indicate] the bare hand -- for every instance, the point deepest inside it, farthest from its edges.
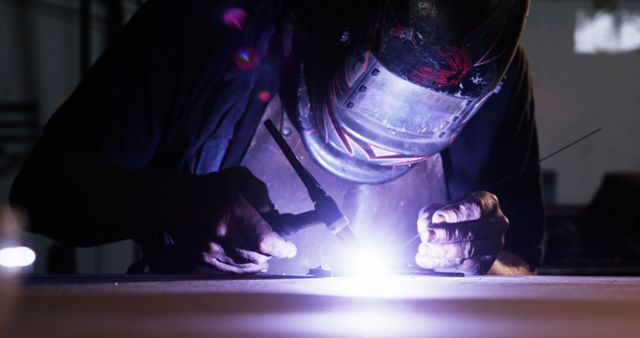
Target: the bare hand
(235, 238)
(465, 236)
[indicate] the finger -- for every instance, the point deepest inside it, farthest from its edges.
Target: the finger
(424, 216)
(259, 235)
(236, 243)
(229, 268)
(216, 250)
(276, 246)
(217, 257)
(426, 262)
(252, 257)
(254, 190)
(473, 207)
(466, 231)
(463, 249)
(479, 265)
(476, 266)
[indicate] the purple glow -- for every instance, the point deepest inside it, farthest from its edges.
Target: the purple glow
(246, 58)
(264, 96)
(235, 18)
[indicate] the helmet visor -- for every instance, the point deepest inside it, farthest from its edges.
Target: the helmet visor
(388, 111)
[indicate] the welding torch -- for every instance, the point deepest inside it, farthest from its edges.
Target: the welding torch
(325, 210)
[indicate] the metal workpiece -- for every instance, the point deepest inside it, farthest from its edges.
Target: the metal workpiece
(322, 272)
(395, 306)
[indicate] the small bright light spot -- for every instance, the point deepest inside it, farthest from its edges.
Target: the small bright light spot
(235, 18)
(16, 257)
(264, 96)
(246, 58)
(606, 31)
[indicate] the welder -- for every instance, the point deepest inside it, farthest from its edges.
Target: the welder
(409, 112)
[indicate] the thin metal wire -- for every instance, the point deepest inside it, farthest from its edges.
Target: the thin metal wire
(520, 172)
(409, 242)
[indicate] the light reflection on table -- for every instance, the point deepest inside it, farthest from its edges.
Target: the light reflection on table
(391, 306)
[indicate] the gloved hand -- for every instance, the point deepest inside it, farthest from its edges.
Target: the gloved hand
(234, 237)
(464, 236)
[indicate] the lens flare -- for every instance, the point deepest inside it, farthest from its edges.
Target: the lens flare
(264, 96)
(246, 58)
(16, 257)
(235, 18)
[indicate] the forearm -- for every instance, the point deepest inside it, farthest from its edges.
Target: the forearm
(508, 264)
(71, 197)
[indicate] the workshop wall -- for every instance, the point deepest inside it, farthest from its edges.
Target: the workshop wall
(40, 62)
(579, 93)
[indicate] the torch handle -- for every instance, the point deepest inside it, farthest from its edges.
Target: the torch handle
(313, 187)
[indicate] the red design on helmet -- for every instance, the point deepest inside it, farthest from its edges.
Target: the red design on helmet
(459, 62)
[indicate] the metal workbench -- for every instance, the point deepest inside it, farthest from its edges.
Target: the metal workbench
(274, 306)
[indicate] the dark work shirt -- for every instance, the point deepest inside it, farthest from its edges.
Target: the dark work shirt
(497, 151)
(169, 93)
(182, 91)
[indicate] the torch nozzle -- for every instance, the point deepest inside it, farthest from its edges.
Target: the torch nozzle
(326, 208)
(349, 239)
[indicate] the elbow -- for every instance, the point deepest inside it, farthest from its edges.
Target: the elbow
(46, 211)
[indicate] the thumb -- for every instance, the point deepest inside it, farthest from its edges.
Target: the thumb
(260, 236)
(272, 244)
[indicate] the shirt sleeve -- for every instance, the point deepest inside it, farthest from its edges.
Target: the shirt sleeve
(177, 78)
(498, 152)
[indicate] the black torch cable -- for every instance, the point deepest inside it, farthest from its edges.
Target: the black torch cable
(313, 187)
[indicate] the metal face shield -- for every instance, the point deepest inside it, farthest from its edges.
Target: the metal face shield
(375, 124)
(403, 83)
(386, 111)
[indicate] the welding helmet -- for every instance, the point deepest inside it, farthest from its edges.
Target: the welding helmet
(400, 89)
